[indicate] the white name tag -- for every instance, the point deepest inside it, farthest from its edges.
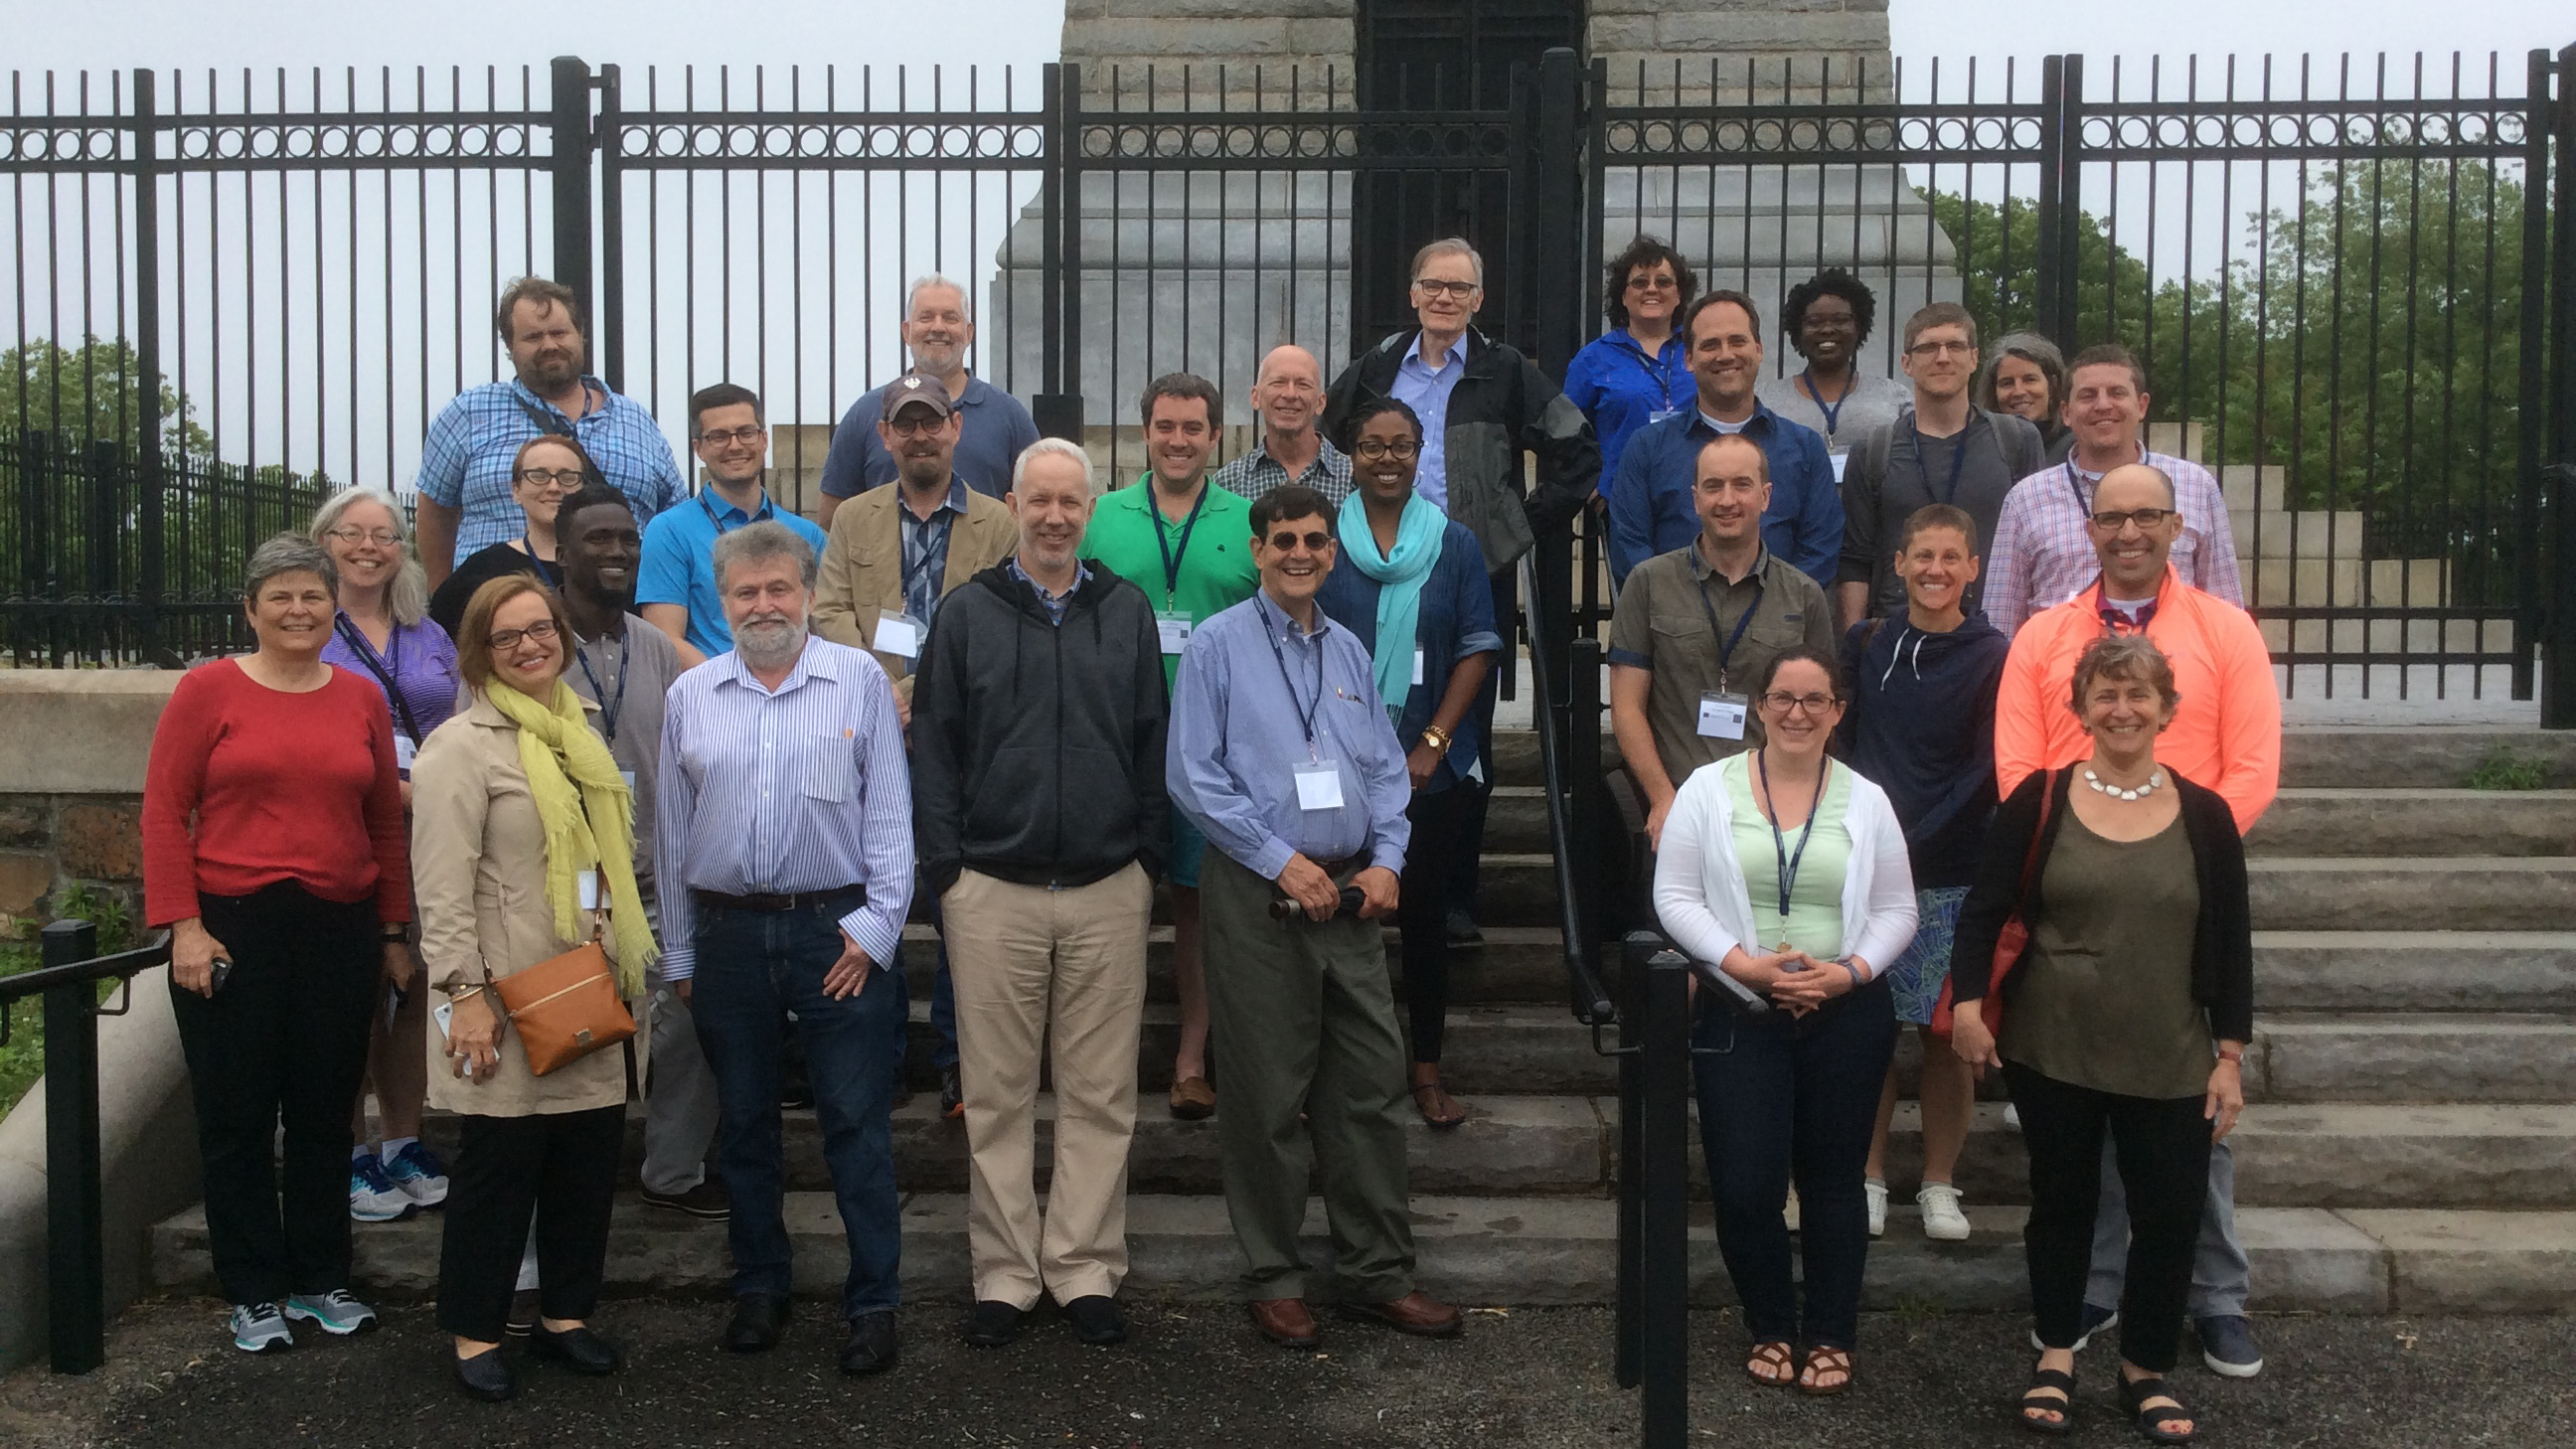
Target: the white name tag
(629, 777)
(898, 635)
(1174, 630)
(587, 882)
(405, 751)
(1417, 666)
(1319, 787)
(1721, 716)
(1837, 459)
(1659, 414)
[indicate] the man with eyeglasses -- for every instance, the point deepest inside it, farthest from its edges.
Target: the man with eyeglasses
(1281, 752)
(1940, 449)
(1288, 397)
(938, 330)
(2043, 553)
(2225, 736)
(464, 477)
(676, 589)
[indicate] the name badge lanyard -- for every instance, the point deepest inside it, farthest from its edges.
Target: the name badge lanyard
(1833, 411)
(608, 709)
(385, 671)
(1788, 862)
(550, 570)
(766, 511)
(1958, 460)
(1305, 711)
(2075, 486)
(909, 567)
(1664, 375)
(1172, 556)
(1744, 621)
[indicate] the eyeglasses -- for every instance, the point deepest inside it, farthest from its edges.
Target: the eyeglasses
(722, 438)
(1285, 542)
(913, 425)
(505, 640)
(565, 478)
(2143, 517)
(1432, 286)
(1780, 701)
(1375, 448)
(380, 537)
(1951, 348)
(1640, 282)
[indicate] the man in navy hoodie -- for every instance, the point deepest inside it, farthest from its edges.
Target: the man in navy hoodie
(1922, 725)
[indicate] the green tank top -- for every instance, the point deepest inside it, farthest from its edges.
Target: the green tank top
(1815, 920)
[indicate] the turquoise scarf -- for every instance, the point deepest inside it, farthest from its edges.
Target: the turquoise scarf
(1399, 578)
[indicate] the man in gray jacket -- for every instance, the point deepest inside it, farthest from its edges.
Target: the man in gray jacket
(1940, 449)
(1038, 808)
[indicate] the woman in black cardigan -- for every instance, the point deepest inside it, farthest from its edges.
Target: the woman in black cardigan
(2128, 1011)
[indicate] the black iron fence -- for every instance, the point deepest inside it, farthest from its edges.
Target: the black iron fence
(2345, 277)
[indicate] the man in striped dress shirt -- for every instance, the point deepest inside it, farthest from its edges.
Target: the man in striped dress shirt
(784, 837)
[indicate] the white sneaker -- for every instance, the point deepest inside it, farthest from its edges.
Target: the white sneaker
(373, 1198)
(1942, 1220)
(1876, 1192)
(1789, 1213)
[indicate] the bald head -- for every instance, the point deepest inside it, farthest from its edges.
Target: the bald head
(1289, 392)
(2130, 476)
(2139, 502)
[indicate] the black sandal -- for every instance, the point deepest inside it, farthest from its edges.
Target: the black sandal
(2151, 1422)
(2063, 1408)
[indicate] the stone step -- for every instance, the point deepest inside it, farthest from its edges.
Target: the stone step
(2416, 822)
(2464, 893)
(1533, 1251)
(2402, 1057)
(2415, 971)
(1513, 963)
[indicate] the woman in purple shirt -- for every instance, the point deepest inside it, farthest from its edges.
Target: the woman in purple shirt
(383, 636)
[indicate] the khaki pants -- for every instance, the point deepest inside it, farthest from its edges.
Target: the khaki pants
(1303, 1020)
(1063, 970)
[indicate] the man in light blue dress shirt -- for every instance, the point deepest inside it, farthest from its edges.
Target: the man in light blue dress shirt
(785, 863)
(1280, 751)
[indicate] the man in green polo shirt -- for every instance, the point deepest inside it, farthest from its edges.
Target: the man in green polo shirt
(1189, 547)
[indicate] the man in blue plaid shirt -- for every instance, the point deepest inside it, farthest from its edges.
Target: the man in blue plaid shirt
(464, 477)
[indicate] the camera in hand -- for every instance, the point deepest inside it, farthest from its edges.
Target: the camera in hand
(1284, 909)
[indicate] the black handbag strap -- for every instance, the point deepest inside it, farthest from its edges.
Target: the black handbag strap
(545, 423)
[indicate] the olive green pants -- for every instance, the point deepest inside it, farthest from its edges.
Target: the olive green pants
(1303, 1021)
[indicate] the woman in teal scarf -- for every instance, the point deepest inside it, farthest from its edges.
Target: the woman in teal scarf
(1411, 584)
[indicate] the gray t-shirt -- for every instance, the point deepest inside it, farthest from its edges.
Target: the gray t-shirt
(627, 678)
(1872, 404)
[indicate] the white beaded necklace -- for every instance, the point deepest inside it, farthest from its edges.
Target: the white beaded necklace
(2116, 793)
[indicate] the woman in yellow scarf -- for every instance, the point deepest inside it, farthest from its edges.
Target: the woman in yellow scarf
(523, 837)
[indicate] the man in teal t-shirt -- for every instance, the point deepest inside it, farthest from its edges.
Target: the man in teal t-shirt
(1188, 545)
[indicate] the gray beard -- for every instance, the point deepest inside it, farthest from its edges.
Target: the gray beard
(760, 653)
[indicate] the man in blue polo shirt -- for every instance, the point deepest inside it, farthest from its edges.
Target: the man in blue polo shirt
(1650, 503)
(938, 327)
(675, 589)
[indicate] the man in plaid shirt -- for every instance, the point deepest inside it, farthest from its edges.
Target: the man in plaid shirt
(464, 477)
(2042, 556)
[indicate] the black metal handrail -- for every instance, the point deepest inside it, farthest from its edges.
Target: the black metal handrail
(1591, 999)
(75, 1231)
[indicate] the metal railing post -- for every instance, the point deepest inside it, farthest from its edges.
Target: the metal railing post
(2558, 667)
(571, 166)
(2068, 241)
(1055, 408)
(75, 1238)
(612, 232)
(151, 567)
(1655, 1221)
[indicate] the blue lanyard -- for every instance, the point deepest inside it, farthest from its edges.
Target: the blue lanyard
(2076, 487)
(548, 570)
(1172, 556)
(1958, 459)
(388, 669)
(608, 711)
(1788, 863)
(1660, 370)
(1833, 411)
(1305, 711)
(1743, 622)
(718, 524)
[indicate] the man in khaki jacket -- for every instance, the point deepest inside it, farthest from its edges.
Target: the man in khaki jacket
(892, 555)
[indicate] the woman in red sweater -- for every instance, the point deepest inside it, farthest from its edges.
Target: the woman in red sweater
(274, 848)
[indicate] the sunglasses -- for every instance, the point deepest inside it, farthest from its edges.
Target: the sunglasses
(1285, 542)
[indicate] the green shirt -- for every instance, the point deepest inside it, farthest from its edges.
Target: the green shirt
(1215, 570)
(1815, 921)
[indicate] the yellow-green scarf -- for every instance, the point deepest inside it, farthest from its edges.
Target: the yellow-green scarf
(589, 817)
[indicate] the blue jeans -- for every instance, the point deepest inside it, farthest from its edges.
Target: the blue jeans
(943, 1004)
(751, 966)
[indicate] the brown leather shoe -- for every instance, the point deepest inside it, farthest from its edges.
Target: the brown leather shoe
(1193, 1100)
(1417, 1313)
(1284, 1321)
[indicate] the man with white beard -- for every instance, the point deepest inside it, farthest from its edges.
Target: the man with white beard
(785, 866)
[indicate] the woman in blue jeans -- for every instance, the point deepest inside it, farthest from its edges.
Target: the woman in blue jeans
(1787, 871)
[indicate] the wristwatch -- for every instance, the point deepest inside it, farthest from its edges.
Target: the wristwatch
(1436, 737)
(2232, 1054)
(396, 936)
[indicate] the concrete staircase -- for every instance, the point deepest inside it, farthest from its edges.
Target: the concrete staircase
(2411, 1146)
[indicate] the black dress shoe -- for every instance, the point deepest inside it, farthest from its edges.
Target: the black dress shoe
(991, 1323)
(758, 1319)
(1096, 1319)
(578, 1349)
(952, 1091)
(871, 1346)
(484, 1376)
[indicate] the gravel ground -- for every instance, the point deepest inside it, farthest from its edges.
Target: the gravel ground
(1197, 1376)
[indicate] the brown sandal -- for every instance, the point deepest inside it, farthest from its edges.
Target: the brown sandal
(1825, 1360)
(1442, 1111)
(1773, 1365)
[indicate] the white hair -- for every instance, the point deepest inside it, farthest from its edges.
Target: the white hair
(1448, 246)
(965, 298)
(1055, 448)
(407, 597)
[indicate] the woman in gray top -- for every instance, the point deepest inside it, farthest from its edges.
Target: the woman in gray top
(2127, 1012)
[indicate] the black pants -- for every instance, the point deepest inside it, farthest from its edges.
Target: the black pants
(557, 1167)
(1440, 834)
(284, 1040)
(2162, 1145)
(1782, 1098)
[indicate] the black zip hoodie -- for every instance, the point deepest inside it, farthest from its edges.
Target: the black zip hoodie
(1922, 727)
(1037, 747)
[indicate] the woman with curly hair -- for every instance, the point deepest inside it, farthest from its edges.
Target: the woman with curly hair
(1638, 372)
(1826, 318)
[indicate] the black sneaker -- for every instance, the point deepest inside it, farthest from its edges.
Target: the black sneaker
(1096, 1319)
(1463, 931)
(991, 1323)
(2227, 1346)
(706, 1201)
(952, 1092)
(2095, 1320)
(871, 1346)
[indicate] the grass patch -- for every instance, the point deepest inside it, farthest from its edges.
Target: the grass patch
(22, 1061)
(2509, 769)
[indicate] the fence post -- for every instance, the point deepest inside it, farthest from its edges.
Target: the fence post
(2068, 240)
(571, 165)
(2052, 150)
(1556, 234)
(612, 235)
(153, 579)
(1654, 1207)
(75, 1240)
(2558, 672)
(1057, 407)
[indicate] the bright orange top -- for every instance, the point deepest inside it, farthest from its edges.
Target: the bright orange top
(2226, 731)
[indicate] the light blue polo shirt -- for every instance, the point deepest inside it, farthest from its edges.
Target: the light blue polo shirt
(679, 561)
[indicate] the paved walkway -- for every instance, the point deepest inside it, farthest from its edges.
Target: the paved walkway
(1197, 1377)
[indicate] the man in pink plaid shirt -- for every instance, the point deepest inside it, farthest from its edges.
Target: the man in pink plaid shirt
(2042, 556)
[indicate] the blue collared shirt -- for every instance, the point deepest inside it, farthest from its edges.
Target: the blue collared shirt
(922, 551)
(678, 566)
(804, 789)
(1056, 605)
(1427, 393)
(1622, 390)
(1454, 619)
(1249, 682)
(994, 431)
(465, 459)
(1651, 510)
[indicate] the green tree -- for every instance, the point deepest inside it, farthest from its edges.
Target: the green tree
(94, 393)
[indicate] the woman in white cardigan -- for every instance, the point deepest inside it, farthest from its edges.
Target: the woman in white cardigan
(1788, 872)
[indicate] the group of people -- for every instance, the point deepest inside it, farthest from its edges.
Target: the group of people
(730, 747)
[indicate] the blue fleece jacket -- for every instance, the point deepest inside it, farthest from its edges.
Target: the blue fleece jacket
(1922, 725)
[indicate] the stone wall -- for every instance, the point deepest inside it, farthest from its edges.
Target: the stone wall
(72, 749)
